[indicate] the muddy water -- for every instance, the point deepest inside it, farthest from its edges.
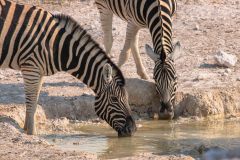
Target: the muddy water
(160, 137)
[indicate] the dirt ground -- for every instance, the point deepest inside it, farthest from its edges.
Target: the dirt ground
(202, 26)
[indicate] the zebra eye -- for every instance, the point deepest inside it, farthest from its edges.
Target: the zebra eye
(114, 99)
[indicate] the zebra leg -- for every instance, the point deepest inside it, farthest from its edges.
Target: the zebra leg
(32, 85)
(124, 55)
(135, 51)
(106, 22)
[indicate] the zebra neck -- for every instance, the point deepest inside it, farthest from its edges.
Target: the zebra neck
(78, 54)
(86, 64)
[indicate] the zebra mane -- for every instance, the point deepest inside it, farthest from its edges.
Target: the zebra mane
(72, 26)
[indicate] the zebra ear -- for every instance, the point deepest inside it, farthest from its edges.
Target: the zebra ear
(107, 73)
(151, 53)
(176, 51)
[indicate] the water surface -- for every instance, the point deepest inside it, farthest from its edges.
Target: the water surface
(160, 137)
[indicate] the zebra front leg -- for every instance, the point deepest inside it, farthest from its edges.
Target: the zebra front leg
(32, 85)
(135, 51)
(106, 22)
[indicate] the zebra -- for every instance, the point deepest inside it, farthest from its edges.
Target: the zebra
(40, 44)
(156, 15)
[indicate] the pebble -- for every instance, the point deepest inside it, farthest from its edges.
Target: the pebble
(196, 28)
(228, 70)
(76, 143)
(225, 74)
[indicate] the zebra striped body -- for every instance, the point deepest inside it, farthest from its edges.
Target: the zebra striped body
(156, 15)
(41, 44)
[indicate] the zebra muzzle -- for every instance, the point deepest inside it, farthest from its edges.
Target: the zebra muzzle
(166, 111)
(129, 129)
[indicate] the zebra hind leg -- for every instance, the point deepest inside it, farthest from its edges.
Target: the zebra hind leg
(135, 51)
(124, 55)
(106, 22)
(32, 85)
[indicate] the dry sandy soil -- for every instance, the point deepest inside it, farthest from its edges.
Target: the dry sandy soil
(219, 29)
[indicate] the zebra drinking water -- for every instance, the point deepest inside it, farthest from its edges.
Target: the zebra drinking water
(156, 15)
(39, 44)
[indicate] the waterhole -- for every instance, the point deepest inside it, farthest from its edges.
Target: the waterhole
(159, 137)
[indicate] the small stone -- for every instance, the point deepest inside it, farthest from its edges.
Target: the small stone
(225, 74)
(196, 28)
(76, 143)
(2, 76)
(226, 60)
(238, 79)
(228, 70)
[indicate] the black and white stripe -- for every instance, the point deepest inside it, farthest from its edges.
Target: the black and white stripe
(41, 44)
(157, 17)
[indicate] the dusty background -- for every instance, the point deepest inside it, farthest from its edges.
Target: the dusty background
(202, 26)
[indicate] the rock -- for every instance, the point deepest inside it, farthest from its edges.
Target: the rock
(143, 97)
(226, 60)
(221, 154)
(203, 148)
(228, 70)
(196, 28)
(238, 79)
(225, 74)
(141, 92)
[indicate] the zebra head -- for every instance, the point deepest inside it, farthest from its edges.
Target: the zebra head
(112, 103)
(165, 79)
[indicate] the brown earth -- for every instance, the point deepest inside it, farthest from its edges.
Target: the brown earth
(202, 26)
